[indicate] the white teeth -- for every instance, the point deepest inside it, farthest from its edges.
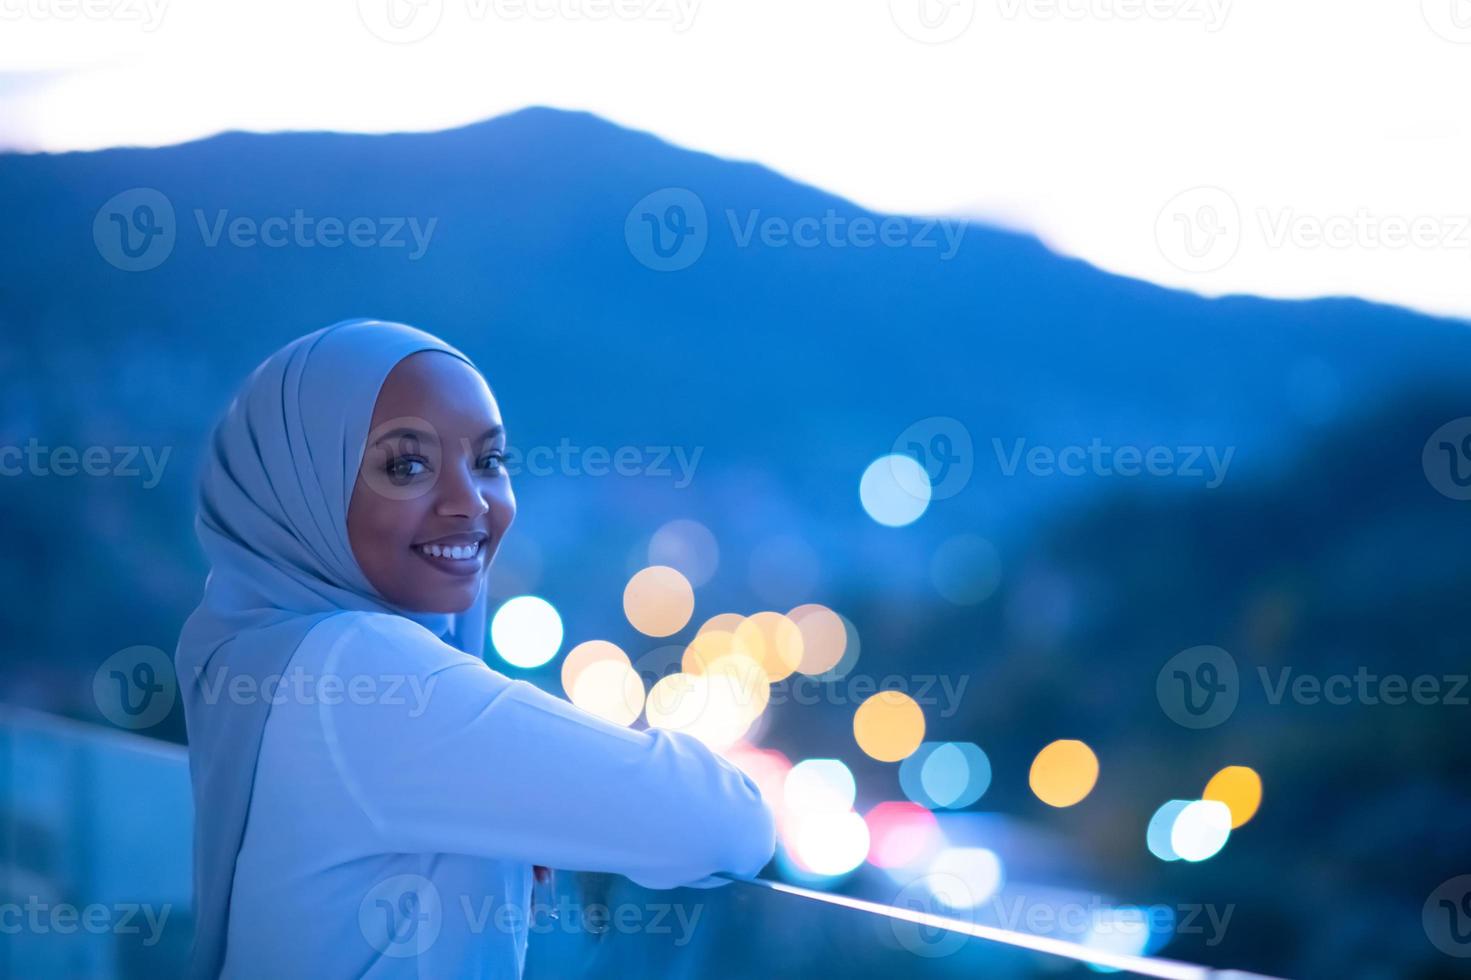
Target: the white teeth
(456, 551)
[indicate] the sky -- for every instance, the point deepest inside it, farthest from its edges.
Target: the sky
(1284, 148)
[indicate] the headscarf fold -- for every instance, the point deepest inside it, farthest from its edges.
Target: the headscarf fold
(274, 491)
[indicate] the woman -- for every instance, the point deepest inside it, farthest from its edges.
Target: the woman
(370, 797)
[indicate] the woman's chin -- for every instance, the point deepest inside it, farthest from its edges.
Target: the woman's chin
(453, 599)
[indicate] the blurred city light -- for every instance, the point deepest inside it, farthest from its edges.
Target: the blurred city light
(1240, 788)
(1064, 773)
(658, 601)
(687, 546)
(1200, 830)
(824, 637)
(894, 490)
(964, 877)
(526, 631)
(901, 834)
(889, 726)
(1161, 826)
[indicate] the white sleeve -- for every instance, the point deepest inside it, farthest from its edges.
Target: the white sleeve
(466, 760)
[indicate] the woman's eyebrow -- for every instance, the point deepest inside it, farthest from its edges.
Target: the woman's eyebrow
(410, 433)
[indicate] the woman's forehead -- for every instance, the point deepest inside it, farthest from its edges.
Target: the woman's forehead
(441, 389)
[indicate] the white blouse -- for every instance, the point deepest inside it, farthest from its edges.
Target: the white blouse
(404, 789)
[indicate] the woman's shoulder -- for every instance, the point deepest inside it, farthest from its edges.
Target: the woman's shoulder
(365, 639)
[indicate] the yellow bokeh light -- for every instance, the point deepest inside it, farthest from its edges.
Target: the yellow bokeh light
(707, 706)
(889, 726)
(675, 702)
(583, 656)
(773, 641)
(824, 637)
(610, 689)
(1240, 788)
(746, 682)
(1064, 773)
(725, 622)
(658, 601)
(706, 648)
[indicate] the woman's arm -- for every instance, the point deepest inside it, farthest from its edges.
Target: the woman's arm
(467, 760)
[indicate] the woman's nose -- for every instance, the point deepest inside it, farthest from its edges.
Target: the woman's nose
(463, 494)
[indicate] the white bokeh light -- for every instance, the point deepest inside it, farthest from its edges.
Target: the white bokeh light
(894, 490)
(526, 631)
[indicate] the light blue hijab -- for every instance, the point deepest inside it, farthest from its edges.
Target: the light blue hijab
(274, 492)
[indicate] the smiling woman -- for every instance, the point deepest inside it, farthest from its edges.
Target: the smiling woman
(350, 504)
(431, 494)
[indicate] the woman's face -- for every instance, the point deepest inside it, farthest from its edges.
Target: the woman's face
(432, 499)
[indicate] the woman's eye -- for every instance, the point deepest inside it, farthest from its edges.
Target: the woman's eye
(493, 461)
(401, 469)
